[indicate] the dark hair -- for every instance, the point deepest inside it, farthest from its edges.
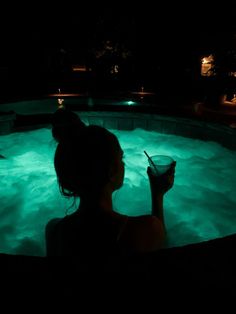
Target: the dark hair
(65, 124)
(83, 163)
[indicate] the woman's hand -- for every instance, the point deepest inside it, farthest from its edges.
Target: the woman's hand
(161, 184)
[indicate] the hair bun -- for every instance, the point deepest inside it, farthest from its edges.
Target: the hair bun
(66, 125)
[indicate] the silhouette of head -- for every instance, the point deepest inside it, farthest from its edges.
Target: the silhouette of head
(88, 162)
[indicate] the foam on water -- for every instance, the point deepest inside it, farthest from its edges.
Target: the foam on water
(200, 206)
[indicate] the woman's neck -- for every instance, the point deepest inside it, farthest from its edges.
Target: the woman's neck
(102, 201)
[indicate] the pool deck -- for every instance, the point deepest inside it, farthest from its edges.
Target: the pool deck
(224, 113)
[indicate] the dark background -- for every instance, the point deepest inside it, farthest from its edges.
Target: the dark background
(162, 44)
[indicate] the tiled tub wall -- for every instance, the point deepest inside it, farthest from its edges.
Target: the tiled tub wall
(151, 122)
(163, 124)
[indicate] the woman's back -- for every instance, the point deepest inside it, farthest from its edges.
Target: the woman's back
(101, 236)
(85, 235)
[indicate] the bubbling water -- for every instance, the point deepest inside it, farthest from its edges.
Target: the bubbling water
(200, 206)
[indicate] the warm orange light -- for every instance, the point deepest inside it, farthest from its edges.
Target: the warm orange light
(79, 68)
(207, 60)
(207, 66)
(60, 102)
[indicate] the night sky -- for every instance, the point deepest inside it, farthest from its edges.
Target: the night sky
(33, 36)
(144, 26)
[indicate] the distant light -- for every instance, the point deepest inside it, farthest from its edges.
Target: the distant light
(207, 65)
(79, 68)
(60, 102)
(114, 69)
(130, 102)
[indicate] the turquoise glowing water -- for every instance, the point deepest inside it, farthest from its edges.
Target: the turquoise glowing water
(200, 206)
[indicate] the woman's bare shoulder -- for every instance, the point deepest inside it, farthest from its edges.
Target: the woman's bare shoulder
(144, 233)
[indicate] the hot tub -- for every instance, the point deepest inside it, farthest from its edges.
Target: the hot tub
(200, 207)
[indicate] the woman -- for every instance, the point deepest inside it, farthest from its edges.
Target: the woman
(89, 165)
